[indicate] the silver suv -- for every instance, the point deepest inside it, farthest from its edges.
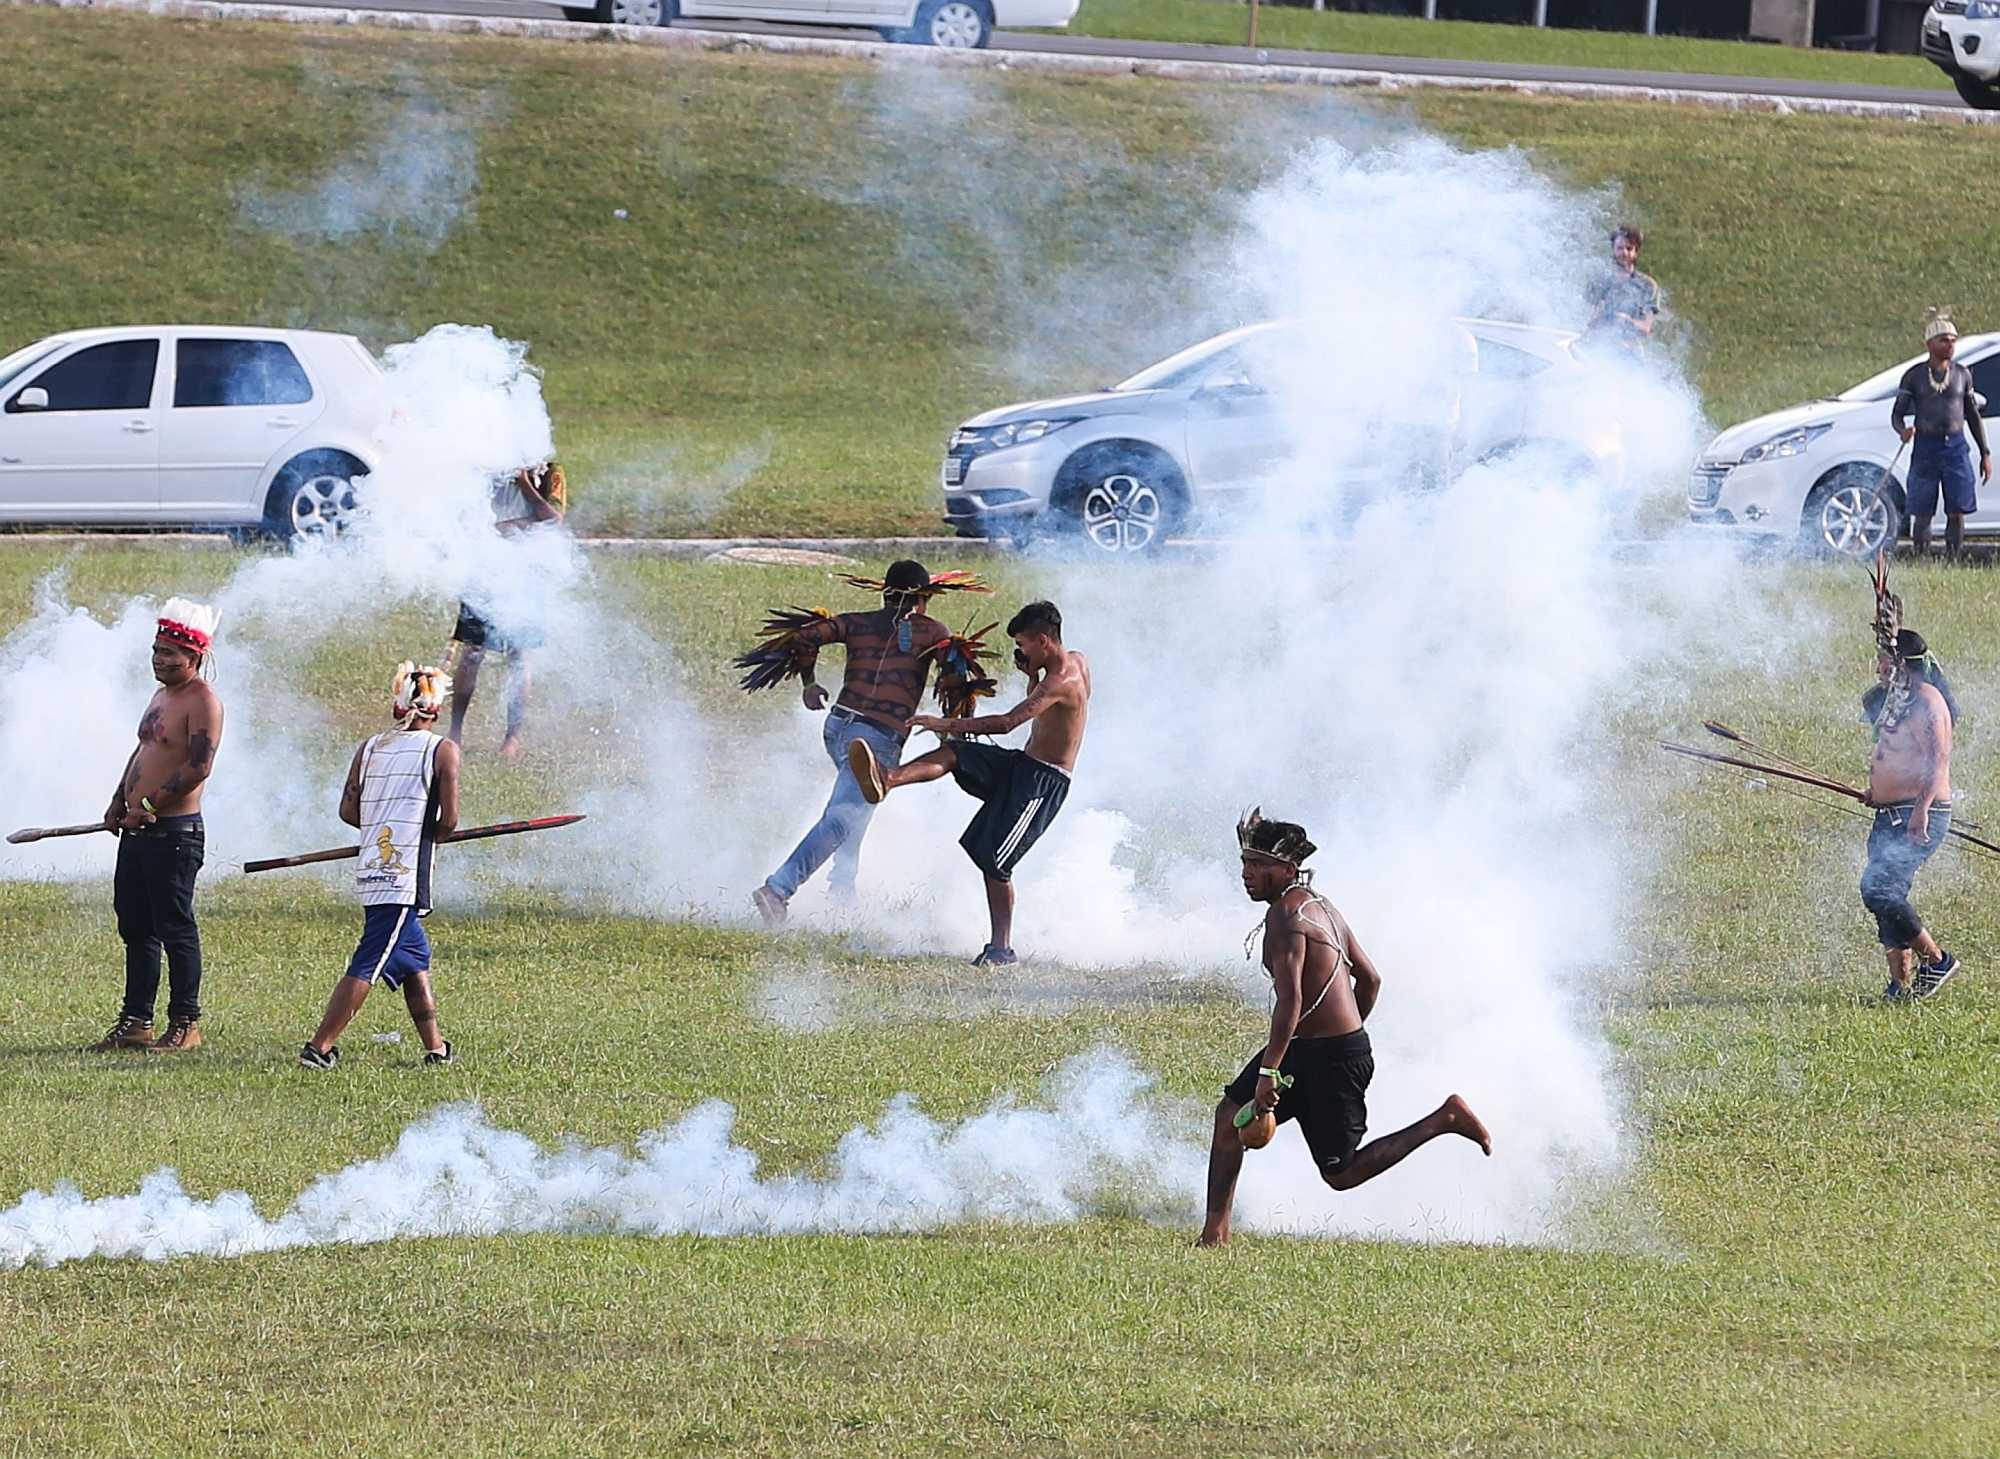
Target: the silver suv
(1122, 469)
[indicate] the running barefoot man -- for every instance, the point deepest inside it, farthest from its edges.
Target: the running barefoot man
(156, 813)
(1022, 789)
(533, 497)
(1909, 784)
(1318, 1055)
(890, 652)
(402, 795)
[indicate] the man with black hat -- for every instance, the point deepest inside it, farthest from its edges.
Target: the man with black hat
(889, 656)
(1934, 409)
(1317, 1063)
(1909, 784)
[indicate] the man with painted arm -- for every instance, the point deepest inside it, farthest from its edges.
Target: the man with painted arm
(1317, 1063)
(402, 795)
(1934, 409)
(1022, 789)
(156, 814)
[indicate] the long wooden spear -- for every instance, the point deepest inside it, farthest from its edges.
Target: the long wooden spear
(42, 833)
(471, 833)
(1818, 781)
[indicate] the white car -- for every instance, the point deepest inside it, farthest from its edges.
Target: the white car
(957, 24)
(1196, 437)
(1962, 38)
(1829, 475)
(192, 425)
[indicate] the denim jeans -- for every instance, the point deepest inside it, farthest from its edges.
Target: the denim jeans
(840, 826)
(1893, 860)
(152, 892)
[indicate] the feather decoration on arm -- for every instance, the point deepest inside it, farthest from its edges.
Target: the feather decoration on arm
(782, 652)
(962, 677)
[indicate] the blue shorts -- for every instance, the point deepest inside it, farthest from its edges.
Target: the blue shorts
(1940, 462)
(393, 946)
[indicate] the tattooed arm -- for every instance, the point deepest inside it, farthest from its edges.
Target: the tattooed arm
(173, 774)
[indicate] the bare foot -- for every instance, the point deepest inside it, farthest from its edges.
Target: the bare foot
(867, 771)
(1212, 1236)
(1460, 1120)
(510, 749)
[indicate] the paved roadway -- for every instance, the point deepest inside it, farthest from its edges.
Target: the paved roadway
(1174, 51)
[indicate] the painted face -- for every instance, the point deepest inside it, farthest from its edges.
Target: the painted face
(173, 662)
(1261, 877)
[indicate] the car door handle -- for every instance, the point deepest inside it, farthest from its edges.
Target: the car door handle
(138, 427)
(282, 423)
(10, 460)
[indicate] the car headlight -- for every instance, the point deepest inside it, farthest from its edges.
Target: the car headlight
(1021, 432)
(1982, 10)
(1791, 443)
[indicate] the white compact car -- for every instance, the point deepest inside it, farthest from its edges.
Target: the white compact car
(1196, 437)
(1962, 38)
(1820, 474)
(959, 24)
(191, 425)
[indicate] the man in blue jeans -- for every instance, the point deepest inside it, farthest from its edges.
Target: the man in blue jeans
(889, 656)
(1937, 401)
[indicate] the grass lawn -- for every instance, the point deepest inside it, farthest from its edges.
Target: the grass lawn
(824, 265)
(1804, 1264)
(1291, 27)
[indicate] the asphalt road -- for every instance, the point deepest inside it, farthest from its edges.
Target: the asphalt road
(1169, 51)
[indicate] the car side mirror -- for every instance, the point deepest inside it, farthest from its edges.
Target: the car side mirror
(33, 398)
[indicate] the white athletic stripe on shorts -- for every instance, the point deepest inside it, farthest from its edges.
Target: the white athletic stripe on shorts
(1014, 836)
(389, 950)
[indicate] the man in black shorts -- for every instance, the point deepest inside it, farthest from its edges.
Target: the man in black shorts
(1317, 1064)
(1022, 789)
(532, 497)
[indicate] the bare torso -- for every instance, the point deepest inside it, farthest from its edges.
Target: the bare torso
(1326, 962)
(1913, 761)
(1057, 735)
(178, 735)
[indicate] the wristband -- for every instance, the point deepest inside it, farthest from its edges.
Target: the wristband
(146, 805)
(1277, 1077)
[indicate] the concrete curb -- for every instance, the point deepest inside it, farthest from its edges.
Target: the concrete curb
(689, 549)
(1046, 62)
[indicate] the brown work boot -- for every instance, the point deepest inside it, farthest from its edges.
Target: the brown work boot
(127, 1033)
(182, 1034)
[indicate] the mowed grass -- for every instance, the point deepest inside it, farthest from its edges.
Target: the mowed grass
(1798, 1261)
(1290, 27)
(825, 265)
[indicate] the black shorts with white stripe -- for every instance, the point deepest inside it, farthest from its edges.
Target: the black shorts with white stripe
(1022, 797)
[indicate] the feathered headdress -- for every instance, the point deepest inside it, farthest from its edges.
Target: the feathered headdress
(955, 581)
(1280, 840)
(779, 654)
(420, 693)
(189, 623)
(963, 680)
(1888, 628)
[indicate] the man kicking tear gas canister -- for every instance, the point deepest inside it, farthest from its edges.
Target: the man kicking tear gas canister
(1317, 1065)
(1022, 789)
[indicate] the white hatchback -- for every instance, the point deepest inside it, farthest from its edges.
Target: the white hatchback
(956, 24)
(1825, 474)
(188, 425)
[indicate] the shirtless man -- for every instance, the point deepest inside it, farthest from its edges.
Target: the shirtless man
(889, 656)
(1316, 1066)
(156, 814)
(1909, 784)
(534, 496)
(1022, 789)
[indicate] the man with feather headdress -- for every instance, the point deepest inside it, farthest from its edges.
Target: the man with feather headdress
(156, 814)
(890, 654)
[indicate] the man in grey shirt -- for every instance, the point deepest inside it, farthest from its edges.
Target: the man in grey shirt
(1937, 400)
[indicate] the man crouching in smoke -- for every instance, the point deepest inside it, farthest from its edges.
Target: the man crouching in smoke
(1318, 1057)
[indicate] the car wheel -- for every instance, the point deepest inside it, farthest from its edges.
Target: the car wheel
(1121, 503)
(954, 25)
(313, 497)
(1980, 95)
(1853, 511)
(636, 12)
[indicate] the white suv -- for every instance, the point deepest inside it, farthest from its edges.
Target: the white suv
(188, 425)
(1962, 37)
(958, 24)
(1819, 474)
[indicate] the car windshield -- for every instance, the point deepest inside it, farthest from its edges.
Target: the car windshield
(1185, 368)
(1879, 387)
(22, 361)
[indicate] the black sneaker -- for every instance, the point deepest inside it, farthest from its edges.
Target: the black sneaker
(1931, 977)
(312, 1058)
(995, 957)
(439, 1056)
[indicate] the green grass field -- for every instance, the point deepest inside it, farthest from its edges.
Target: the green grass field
(1797, 1261)
(827, 265)
(1294, 28)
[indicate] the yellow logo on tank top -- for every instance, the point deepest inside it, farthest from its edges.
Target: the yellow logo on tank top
(387, 857)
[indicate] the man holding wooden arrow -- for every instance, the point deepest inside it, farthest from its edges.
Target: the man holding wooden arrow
(402, 795)
(1909, 785)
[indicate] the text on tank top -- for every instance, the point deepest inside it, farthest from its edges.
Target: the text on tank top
(398, 772)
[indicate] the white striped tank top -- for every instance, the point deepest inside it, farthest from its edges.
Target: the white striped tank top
(398, 774)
